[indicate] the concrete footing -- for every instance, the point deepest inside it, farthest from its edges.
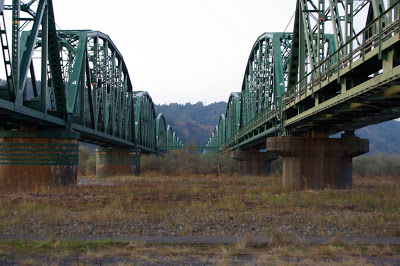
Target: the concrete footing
(36, 159)
(254, 163)
(317, 161)
(113, 161)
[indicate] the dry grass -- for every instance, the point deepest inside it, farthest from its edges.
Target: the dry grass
(202, 205)
(128, 253)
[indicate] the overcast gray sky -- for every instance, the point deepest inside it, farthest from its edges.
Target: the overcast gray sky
(180, 50)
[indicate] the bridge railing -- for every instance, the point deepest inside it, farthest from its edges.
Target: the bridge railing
(370, 39)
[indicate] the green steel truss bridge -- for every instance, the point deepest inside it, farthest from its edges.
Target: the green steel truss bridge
(63, 87)
(84, 85)
(339, 70)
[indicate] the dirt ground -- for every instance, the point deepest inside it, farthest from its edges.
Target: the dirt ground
(54, 252)
(36, 225)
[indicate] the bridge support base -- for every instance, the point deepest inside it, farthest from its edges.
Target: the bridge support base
(117, 161)
(30, 160)
(254, 163)
(317, 161)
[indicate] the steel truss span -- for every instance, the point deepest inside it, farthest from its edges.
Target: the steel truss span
(73, 80)
(338, 70)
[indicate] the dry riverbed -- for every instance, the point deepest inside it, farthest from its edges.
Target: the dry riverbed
(152, 205)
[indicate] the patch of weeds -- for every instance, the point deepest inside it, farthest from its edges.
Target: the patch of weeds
(196, 190)
(373, 250)
(245, 242)
(300, 242)
(29, 262)
(277, 239)
(326, 250)
(222, 189)
(224, 256)
(335, 241)
(387, 251)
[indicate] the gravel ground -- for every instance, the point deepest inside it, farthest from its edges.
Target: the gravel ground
(299, 222)
(188, 259)
(218, 228)
(258, 225)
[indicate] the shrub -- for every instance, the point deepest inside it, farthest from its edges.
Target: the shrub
(378, 164)
(277, 166)
(87, 161)
(188, 163)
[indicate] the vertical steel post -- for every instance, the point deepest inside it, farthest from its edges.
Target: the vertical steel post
(81, 87)
(16, 9)
(44, 73)
(348, 24)
(321, 35)
(302, 49)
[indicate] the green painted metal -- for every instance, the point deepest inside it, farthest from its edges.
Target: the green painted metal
(58, 96)
(145, 120)
(263, 84)
(293, 81)
(174, 142)
(340, 81)
(151, 130)
(221, 130)
(169, 136)
(85, 85)
(232, 115)
(204, 148)
(165, 136)
(355, 73)
(264, 79)
(161, 133)
(15, 61)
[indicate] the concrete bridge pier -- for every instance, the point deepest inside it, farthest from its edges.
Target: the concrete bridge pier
(317, 161)
(254, 163)
(111, 161)
(31, 159)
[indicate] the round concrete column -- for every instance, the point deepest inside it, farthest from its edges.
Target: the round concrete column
(291, 176)
(113, 161)
(289, 148)
(37, 159)
(254, 163)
